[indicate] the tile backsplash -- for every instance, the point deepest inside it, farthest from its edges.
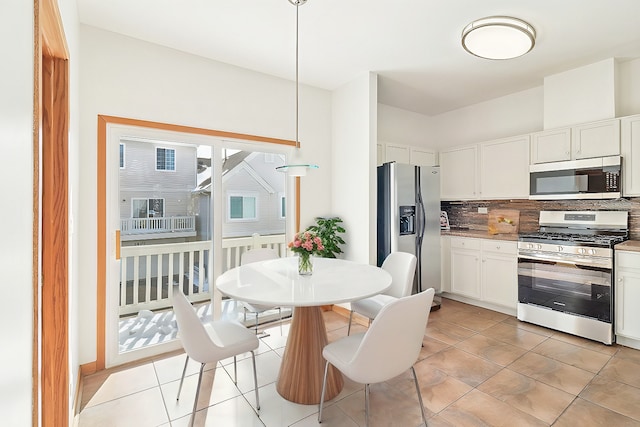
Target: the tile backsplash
(465, 214)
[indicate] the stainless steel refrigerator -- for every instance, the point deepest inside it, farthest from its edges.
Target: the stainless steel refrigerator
(409, 218)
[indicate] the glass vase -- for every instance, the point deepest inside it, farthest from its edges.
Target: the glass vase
(305, 265)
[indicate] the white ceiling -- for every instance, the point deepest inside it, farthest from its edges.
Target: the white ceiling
(413, 45)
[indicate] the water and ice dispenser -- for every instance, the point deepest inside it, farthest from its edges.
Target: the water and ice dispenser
(407, 220)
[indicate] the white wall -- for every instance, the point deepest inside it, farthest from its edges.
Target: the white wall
(514, 114)
(628, 88)
(16, 118)
(581, 95)
(125, 77)
(510, 115)
(400, 126)
(353, 186)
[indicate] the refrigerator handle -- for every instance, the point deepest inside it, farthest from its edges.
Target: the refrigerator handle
(422, 222)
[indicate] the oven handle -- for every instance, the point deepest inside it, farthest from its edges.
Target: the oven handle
(592, 262)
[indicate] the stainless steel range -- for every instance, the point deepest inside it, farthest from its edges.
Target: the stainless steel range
(565, 272)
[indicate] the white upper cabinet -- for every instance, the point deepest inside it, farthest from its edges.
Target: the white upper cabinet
(551, 146)
(504, 168)
(422, 157)
(597, 139)
(630, 150)
(458, 173)
(400, 153)
(380, 154)
(397, 153)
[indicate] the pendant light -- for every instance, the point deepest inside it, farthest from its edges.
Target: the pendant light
(297, 167)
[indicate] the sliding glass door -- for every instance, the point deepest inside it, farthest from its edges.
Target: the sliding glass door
(182, 208)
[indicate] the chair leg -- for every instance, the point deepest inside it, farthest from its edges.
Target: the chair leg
(256, 323)
(255, 379)
(184, 371)
(366, 405)
(350, 318)
(235, 371)
(324, 386)
(195, 402)
(415, 379)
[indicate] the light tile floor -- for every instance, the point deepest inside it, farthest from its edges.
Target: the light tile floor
(477, 368)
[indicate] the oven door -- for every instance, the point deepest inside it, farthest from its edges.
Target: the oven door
(569, 284)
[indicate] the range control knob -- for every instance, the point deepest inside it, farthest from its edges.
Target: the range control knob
(592, 251)
(582, 251)
(539, 247)
(560, 249)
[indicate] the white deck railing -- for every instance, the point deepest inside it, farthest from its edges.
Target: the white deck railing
(157, 225)
(156, 268)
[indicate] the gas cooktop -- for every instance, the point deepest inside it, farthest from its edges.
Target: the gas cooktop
(599, 240)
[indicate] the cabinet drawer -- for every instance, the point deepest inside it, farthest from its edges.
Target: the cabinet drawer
(628, 260)
(500, 246)
(465, 243)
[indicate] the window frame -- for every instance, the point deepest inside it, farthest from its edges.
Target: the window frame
(123, 156)
(148, 199)
(175, 166)
(243, 194)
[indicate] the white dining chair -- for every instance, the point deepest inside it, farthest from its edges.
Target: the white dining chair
(402, 267)
(388, 348)
(211, 342)
(256, 255)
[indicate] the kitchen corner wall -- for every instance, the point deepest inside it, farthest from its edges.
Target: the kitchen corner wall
(465, 214)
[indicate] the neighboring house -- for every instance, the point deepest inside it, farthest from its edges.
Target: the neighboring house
(156, 184)
(253, 194)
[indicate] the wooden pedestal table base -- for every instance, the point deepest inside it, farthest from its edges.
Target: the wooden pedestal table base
(302, 368)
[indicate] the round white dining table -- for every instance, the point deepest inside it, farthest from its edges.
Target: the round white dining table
(277, 282)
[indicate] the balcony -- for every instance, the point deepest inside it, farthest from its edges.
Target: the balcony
(157, 228)
(147, 272)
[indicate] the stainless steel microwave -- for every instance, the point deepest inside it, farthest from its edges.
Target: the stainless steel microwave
(597, 178)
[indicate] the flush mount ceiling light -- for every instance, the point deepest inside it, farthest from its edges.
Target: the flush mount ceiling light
(297, 168)
(498, 37)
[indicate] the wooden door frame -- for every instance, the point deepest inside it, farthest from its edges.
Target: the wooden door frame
(101, 212)
(50, 279)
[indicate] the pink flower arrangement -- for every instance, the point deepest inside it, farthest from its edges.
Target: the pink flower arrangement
(306, 243)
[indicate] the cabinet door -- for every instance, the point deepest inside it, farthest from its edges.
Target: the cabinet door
(500, 279)
(445, 263)
(627, 297)
(551, 146)
(504, 168)
(397, 153)
(630, 151)
(465, 272)
(458, 173)
(422, 157)
(627, 294)
(596, 139)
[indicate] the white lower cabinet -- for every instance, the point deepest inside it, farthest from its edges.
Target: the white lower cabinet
(465, 267)
(500, 272)
(484, 270)
(627, 295)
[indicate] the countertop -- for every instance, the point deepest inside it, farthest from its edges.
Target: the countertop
(479, 234)
(629, 245)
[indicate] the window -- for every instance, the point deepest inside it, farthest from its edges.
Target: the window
(147, 208)
(165, 159)
(283, 206)
(121, 156)
(242, 207)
